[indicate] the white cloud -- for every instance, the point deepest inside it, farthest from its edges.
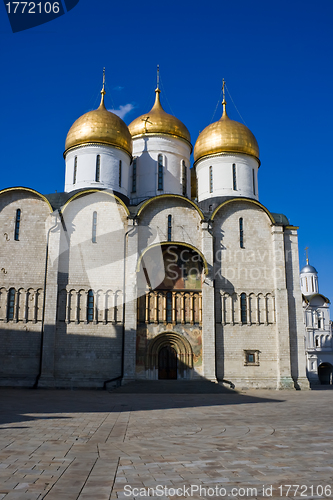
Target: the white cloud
(123, 110)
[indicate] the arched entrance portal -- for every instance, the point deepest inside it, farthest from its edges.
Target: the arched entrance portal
(325, 373)
(169, 356)
(167, 363)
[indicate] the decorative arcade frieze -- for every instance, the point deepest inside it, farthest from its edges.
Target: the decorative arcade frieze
(175, 307)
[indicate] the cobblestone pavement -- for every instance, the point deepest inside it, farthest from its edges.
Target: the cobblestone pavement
(95, 445)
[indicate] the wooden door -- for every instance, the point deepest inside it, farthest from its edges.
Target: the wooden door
(167, 363)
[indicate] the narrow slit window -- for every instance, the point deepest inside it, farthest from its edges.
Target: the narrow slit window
(98, 168)
(94, 228)
(184, 178)
(17, 225)
(169, 227)
(234, 177)
(160, 173)
(134, 177)
(119, 173)
(241, 233)
(254, 181)
(243, 309)
(75, 170)
(11, 304)
(90, 306)
(210, 179)
(169, 307)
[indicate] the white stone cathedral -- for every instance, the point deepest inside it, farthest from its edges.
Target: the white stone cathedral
(146, 268)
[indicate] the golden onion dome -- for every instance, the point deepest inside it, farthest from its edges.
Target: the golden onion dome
(99, 126)
(157, 121)
(227, 136)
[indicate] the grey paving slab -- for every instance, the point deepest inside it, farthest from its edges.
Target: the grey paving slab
(95, 445)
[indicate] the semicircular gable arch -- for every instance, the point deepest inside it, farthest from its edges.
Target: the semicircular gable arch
(90, 191)
(165, 196)
(247, 200)
(28, 190)
(170, 243)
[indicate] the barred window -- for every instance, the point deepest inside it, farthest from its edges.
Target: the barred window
(17, 224)
(234, 177)
(11, 304)
(98, 168)
(75, 170)
(210, 179)
(90, 306)
(169, 307)
(254, 181)
(94, 228)
(169, 227)
(241, 233)
(120, 173)
(134, 177)
(160, 173)
(184, 178)
(243, 309)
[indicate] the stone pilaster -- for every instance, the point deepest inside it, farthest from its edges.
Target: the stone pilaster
(130, 305)
(284, 380)
(51, 302)
(296, 321)
(208, 309)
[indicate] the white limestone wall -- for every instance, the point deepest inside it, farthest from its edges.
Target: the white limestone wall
(222, 169)
(86, 168)
(146, 150)
(88, 353)
(257, 270)
(22, 269)
(186, 223)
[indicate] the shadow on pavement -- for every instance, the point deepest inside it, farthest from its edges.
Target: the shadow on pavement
(24, 405)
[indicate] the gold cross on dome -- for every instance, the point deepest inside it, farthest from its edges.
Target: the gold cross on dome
(146, 120)
(307, 255)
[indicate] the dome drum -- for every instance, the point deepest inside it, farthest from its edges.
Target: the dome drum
(97, 166)
(175, 156)
(227, 175)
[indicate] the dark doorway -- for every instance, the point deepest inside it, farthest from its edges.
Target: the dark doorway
(325, 373)
(167, 363)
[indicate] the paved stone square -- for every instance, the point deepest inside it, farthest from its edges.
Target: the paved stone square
(96, 445)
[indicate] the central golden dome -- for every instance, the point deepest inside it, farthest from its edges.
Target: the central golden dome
(157, 121)
(99, 126)
(225, 135)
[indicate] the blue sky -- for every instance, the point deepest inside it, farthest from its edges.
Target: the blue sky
(276, 58)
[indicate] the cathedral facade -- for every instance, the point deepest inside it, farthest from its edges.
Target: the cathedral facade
(146, 268)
